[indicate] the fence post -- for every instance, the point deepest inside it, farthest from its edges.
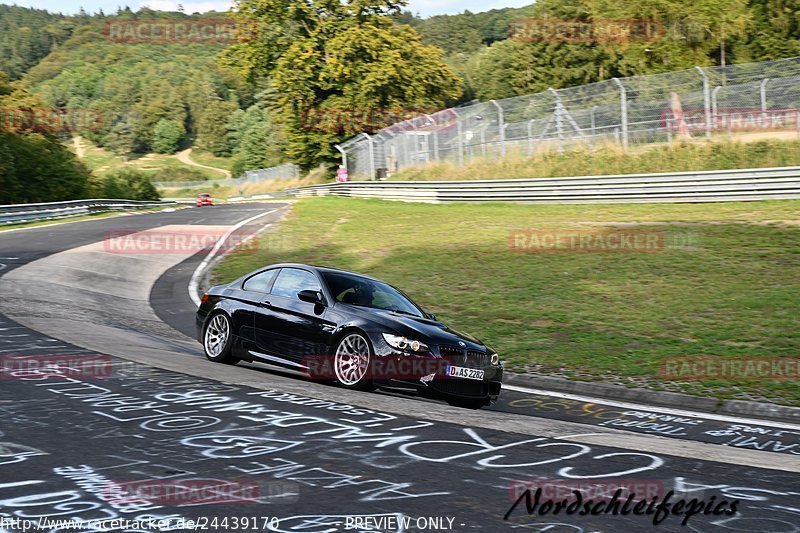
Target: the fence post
(592, 121)
(501, 124)
(371, 151)
(623, 113)
(559, 123)
(763, 91)
(401, 142)
(714, 100)
(460, 136)
(530, 137)
(706, 100)
(412, 139)
(435, 138)
(344, 154)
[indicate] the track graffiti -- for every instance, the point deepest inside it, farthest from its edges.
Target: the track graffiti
(761, 437)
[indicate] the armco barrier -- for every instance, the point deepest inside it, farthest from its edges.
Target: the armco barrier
(20, 213)
(706, 186)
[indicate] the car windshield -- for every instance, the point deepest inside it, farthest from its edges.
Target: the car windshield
(365, 292)
(203, 195)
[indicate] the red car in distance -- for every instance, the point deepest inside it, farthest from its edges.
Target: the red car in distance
(204, 199)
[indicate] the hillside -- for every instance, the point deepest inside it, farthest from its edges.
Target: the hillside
(29, 35)
(146, 97)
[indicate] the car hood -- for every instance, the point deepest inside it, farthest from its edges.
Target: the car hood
(423, 329)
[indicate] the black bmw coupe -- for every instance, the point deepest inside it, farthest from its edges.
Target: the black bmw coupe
(346, 327)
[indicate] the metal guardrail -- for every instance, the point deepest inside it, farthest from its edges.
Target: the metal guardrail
(706, 186)
(20, 213)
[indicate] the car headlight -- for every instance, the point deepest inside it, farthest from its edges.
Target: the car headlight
(495, 359)
(404, 343)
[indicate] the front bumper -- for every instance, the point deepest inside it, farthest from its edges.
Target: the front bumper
(442, 387)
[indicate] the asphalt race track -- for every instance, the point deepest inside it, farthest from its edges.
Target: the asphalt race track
(248, 448)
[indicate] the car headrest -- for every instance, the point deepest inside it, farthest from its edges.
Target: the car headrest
(349, 298)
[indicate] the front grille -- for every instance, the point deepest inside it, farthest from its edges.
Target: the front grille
(453, 355)
(451, 351)
(467, 358)
(477, 359)
(460, 387)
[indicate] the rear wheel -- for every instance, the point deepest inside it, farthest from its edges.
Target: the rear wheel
(351, 362)
(217, 340)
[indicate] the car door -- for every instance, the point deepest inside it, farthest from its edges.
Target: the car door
(254, 290)
(287, 327)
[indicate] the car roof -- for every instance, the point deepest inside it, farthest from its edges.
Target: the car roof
(321, 269)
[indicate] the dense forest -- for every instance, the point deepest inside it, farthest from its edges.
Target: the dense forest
(250, 99)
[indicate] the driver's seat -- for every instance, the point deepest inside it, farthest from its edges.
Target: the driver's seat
(349, 298)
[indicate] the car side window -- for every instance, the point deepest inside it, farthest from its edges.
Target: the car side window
(261, 281)
(293, 280)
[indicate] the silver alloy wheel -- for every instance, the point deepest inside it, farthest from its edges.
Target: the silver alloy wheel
(216, 337)
(351, 360)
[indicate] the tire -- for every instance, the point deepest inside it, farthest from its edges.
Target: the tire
(218, 339)
(351, 362)
(468, 404)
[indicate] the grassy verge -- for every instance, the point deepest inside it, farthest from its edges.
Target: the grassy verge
(592, 316)
(160, 167)
(611, 159)
(210, 160)
(315, 177)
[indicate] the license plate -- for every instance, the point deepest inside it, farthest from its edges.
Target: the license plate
(464, 373)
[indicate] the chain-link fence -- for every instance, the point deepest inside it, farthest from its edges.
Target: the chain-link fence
(699, 102)
(251, 176)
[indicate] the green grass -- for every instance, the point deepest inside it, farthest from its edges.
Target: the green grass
(610, 159)
(210, 160)
(159, 167)
(592, 316)
(314, 177)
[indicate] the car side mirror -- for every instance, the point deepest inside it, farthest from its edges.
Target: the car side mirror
(431, 316)
(312, 297)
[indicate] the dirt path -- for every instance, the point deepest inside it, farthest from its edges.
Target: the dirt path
(79, 151)
(184, 158)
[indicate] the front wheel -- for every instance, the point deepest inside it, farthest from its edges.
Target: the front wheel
(217, 340)
(351, 362)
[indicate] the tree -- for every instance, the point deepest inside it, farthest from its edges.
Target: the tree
(37, 168)
(343, 58)
(773, 32)
(5, 85)
(124, 139)
(256, 141)
(693, 31)
(129, 184)
(167, 135)
(212, 128)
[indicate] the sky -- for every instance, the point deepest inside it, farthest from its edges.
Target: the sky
(425, 8)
